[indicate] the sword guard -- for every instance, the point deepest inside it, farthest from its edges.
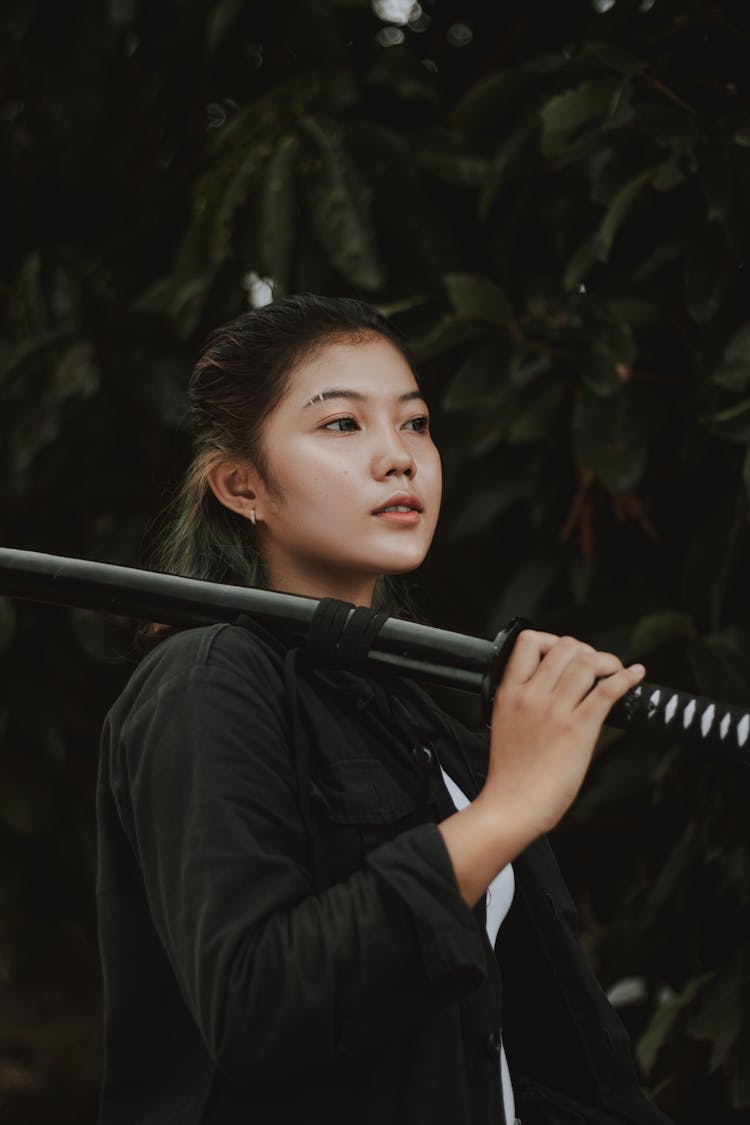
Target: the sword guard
(502, 646)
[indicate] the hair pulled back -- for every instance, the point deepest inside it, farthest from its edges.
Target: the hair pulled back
(238, 379)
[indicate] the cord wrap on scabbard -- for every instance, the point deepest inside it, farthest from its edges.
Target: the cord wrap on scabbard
(342, 634)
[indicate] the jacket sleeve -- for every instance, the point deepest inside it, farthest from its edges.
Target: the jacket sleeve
(277, 978)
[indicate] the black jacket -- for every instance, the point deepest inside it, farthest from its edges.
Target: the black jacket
(282, 936)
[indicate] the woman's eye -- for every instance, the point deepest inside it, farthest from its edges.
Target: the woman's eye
(342, 425)
(421, 424)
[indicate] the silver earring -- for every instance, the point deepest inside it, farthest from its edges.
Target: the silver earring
(252, 516)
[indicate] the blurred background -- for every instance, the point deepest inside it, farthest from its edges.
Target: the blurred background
(551, 200)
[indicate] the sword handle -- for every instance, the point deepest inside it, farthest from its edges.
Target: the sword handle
(685, 717)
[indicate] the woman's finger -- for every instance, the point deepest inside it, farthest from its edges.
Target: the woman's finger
(603, 696)
(529, 648)
(557, 660)
(581, 675)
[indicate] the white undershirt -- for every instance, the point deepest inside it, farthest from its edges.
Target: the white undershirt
(499, 898)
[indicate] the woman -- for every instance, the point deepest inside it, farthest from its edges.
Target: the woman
(295, 920)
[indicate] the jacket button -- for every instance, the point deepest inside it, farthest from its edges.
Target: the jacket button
(493, 1045)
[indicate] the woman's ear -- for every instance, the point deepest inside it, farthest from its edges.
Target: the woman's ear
(235, 485)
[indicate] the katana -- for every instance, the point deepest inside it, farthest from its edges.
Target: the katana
(454, 660)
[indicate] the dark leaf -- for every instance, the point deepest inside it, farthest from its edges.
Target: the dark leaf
(509, 162)
(612, 56)
(580, 263)
(610, 436)
(708, 272)
(732, 424)
(265, 117)
(7, 624)
(658, 629)
(565, 115)
(406, 304)
(34, 347)
(528, 366)
(733, 369)
(398, 71)
(187, 296)
(535, 416)
(482, 378)
(278, 219)
(340, 207)
(479, 298)
(600, 368)
(77, 375)
(488, 101)
(667, 1019)
(242, 181)
(668, 176)
(669, 126)
(496, 96)
(444, 337)
(716, 181)
(484, 507)
(489, 431)
(463, 170)
(633, 313)
(220, 20)
(406, 213)
(716, 1014)
(623, 202)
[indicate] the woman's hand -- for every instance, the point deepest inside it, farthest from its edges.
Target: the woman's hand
(548, 710)
(553, 698)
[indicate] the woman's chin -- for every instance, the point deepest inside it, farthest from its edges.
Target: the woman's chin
(403, 564)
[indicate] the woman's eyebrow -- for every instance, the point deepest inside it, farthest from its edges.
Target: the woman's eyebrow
(356, 396)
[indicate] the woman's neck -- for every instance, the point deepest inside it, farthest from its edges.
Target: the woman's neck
(352, 588)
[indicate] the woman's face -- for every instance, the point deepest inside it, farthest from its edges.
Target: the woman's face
(349, 439)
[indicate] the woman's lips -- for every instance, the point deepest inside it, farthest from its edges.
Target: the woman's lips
(406, 518)
(402, 509)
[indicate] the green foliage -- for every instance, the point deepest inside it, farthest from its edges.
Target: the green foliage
(340, 208)
(278, 218)
(555, 216)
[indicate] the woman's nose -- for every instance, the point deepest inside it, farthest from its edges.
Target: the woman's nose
(394, 458)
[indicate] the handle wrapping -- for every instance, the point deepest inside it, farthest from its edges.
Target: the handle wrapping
(682, 716)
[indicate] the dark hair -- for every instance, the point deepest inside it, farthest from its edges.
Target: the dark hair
(240, 376)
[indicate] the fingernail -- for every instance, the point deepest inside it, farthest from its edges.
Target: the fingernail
(637, 669)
